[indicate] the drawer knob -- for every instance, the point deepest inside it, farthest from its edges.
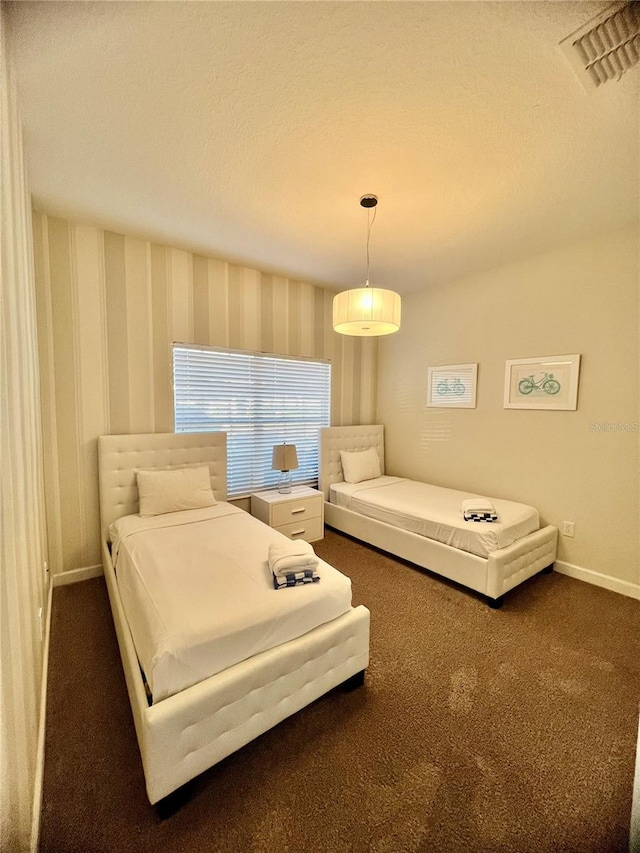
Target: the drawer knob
(300, 509)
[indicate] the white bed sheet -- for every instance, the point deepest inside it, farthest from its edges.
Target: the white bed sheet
(436, 512)
(199, 596)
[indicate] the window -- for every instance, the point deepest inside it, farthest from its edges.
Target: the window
(258, 400)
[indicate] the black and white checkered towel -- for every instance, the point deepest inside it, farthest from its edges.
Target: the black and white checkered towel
(480, 516)
(280, 581)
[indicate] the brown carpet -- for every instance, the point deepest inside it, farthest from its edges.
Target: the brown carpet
(476, 730)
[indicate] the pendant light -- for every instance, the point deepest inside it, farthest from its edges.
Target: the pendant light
(367, 311)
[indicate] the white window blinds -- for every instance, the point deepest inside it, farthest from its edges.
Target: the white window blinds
(259, 401)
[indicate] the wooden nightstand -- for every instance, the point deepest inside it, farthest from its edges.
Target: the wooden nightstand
(299, 515)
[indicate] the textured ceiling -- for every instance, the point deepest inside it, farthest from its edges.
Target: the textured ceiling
(250, 131)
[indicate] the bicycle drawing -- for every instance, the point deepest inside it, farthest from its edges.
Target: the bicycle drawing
(456, 388)
(546, 383)
(452, 386)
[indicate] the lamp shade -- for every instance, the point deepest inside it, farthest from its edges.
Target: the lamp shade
(366, 312)
(284, 457)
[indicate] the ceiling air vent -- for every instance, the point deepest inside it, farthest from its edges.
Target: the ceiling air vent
(607, 46)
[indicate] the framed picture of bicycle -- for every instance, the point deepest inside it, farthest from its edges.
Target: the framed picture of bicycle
(453, 386)
(550, 382)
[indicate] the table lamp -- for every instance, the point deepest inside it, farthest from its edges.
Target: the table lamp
(285, 460)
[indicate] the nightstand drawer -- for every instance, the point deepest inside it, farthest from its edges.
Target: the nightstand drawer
(309, 529)
(291, 512)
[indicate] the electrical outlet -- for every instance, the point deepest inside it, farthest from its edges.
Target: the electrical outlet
(568, 528)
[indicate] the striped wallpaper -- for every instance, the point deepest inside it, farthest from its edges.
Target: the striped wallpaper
(23, 581)
(109, 308)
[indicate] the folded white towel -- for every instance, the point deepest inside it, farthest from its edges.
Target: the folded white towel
(478, 505)
(294, 556)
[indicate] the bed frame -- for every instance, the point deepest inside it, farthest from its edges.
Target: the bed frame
(493, 576)
(185, 734)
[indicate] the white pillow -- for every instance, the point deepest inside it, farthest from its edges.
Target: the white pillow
(360, 465)
(174, 490)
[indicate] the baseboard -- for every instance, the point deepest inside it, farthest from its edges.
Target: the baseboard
(42, 721)
(634, 832)
(77, 575)
(61, 579)
(632, 590)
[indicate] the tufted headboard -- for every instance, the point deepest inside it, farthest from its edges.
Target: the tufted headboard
(335, 439)
(120, 455)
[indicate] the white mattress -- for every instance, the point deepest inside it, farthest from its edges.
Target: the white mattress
(199, 596)
(436, 513)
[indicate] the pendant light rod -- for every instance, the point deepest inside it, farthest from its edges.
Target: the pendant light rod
(369, 201)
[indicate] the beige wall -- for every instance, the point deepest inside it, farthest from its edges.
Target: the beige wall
(581, 299)
(109, 308)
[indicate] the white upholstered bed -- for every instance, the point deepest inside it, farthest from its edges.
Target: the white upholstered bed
(189, 731)
(493, 570)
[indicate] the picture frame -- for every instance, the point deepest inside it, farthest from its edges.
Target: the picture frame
(545, 382)
(452, 386)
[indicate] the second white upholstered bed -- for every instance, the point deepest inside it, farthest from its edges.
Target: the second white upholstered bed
(214, 685)
(390, 513)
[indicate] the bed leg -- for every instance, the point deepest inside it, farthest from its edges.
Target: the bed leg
(547, 569)
(354, 681)
(173, 802)
(496, 603)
